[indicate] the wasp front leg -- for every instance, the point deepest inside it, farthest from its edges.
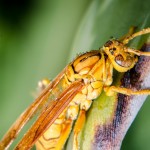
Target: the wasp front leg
(112, 89)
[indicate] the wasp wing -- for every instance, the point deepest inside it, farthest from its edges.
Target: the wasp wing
(49, 115)
(29, 113)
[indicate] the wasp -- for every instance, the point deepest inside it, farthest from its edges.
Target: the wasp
(68, 97)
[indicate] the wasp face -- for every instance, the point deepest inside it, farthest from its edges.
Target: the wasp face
(121, 60)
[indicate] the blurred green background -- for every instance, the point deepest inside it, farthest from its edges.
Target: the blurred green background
(38, 38)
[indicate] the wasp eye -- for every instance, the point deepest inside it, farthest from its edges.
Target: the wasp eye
(124, 63)
(119, 60)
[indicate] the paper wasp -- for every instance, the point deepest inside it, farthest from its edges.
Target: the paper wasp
(70, 95)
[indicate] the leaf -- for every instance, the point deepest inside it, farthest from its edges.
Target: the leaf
(39, 44)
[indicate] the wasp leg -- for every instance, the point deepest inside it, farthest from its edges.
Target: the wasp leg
(137, 52)
(108, 73)
(78, 126)
(112, 89)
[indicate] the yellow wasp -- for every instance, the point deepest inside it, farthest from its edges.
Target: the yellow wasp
(71, 93)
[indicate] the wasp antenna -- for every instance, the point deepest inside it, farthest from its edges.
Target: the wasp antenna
(144, 31)
(130, 32)
(137, 52)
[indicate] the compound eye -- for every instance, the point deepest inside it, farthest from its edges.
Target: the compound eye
(124, 63)
(119, 60)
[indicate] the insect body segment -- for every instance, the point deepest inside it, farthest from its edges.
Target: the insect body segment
(70, 95)
(87, 73)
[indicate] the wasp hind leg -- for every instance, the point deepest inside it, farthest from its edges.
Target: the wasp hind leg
(80, 122)
(71, 115)
(78, 127)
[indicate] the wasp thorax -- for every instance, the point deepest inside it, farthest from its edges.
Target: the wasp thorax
(85, 62)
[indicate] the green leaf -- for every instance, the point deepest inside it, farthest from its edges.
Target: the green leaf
(48, 34)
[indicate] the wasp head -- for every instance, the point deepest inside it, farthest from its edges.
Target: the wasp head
(121, 59)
